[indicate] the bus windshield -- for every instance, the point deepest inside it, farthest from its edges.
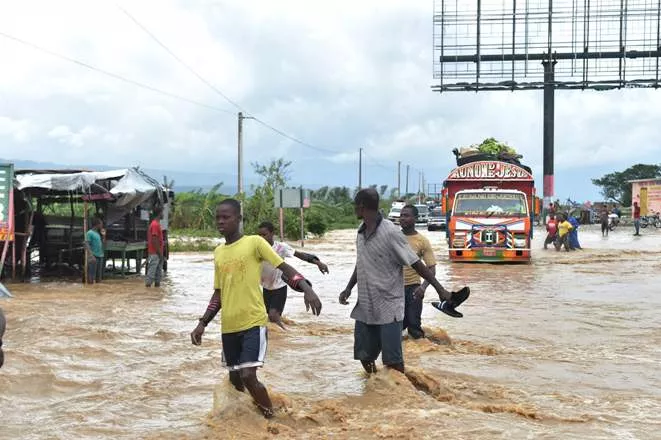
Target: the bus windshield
(491, 204)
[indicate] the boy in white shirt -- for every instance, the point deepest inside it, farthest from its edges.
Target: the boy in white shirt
(275, 288)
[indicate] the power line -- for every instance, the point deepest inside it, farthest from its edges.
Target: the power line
(220, 92)
(111, 75)
(377, 163)
(182, 62)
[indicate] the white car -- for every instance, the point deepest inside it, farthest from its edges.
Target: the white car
(423, 213)
(394, 214)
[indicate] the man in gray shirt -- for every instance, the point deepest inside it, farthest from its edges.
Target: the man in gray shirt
(382, 251)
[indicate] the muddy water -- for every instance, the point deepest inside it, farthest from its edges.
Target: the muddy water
(567, 347)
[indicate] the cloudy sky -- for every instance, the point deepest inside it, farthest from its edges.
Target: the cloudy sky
(338, 75)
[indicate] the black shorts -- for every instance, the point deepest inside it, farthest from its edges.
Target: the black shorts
(370, 340)
(275, 299)
(245, 349)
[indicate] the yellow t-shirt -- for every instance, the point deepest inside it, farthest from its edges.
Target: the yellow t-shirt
(564, 228)
(238, 269)
(422, 248)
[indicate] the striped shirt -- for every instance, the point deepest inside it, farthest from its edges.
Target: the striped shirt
(381, 257)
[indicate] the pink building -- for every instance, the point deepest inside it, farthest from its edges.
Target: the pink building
(647, 192)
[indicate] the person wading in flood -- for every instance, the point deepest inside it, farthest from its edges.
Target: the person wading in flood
(382, 252)
(413, 291)
(154, 271)
(238, 295)
(275, 288)
(3, 323)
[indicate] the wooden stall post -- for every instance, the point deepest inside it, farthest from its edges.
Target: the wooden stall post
(86, 253)
(302, 220)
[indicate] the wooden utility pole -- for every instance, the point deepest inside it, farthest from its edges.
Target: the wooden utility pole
(360, 168)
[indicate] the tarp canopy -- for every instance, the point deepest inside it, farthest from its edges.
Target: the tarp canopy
(128, 188)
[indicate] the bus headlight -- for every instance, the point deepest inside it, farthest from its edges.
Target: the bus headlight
(520, 241)
(459, 240)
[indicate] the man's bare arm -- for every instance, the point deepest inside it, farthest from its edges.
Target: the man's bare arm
(212, 310)
(312, 259)
(298, 282)
(428, 276)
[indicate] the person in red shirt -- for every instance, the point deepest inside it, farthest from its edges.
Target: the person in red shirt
(154, 270)
(551, 231)
(636, 217)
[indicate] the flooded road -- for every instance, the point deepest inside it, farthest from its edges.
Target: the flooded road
(567, 347)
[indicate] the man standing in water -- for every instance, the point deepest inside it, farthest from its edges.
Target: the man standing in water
(413, 291)
(237, 292)
(2, 333)
(155, 241)
(94, 240)
(636, 218)
(275, 288)
(382, 252)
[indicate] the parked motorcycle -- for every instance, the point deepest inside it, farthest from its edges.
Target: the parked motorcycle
(613, 221)
(654, 220)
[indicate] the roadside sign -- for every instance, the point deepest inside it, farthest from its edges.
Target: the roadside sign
(291, 198)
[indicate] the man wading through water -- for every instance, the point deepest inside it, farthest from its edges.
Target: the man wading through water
(275, 288)
(382, 252)
(413, 291)
(238, 295)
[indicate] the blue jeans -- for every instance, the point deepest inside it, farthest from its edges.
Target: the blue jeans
(636, 224)
(412, 312)
(95, 270)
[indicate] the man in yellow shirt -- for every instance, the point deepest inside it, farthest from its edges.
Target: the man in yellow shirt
(413, 291)
(238, 293)
(564, 227)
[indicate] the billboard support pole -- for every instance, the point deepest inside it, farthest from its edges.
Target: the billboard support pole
(549, 119)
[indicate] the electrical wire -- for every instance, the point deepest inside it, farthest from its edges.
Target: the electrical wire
(220, 92)
(111, 74)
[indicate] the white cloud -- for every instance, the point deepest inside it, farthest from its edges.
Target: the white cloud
(339, 75)
(17, 131)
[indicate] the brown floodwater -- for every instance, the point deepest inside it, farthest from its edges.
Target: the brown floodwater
(566, 347)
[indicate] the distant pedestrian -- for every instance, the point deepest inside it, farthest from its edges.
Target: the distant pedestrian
(636, 218)
(154, 271)
(551, 231)
(604, 219)
(563, 233)
(94, 240)
(573, 234)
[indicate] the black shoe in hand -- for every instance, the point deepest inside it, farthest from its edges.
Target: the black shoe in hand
(447, 308)
(460, 296)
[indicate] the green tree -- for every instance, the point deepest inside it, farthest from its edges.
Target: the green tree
(615, 186)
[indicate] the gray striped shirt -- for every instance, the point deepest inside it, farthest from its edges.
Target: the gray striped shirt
(379, 263)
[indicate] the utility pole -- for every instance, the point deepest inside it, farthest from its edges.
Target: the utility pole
(360, 168)
(399, 178)
(419, 184)
(407, 180)
(240, 158)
